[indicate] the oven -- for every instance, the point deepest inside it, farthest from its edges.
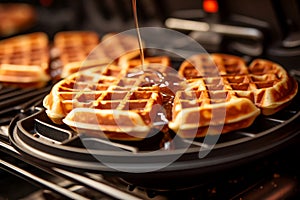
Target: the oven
(42, 160)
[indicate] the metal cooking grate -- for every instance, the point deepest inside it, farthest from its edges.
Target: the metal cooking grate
(15, 103)
(66, 184)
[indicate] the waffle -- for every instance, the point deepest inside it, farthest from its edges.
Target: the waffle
(16, 17)
(163, 61)
(225, 83)
(211, 94)
(98, 99)
(212, 65)
(119, 47)
(71, 48)
(82, 50)
(24, 60)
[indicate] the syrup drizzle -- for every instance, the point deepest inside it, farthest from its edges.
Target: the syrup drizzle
(165, 83)
(158, 74)
(138, 34)
(167, 87)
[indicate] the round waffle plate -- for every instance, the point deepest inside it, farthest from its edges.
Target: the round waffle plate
(264, 136)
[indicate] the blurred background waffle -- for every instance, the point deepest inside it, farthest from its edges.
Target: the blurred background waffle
(16, 18)
(70, 49)
(24, 60)
(78, 50)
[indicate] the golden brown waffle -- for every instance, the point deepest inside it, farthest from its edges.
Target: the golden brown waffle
(119, 47)
(205, 105)
(212, 65)
(98, 99)
(72, 48)
(265, 83)
(224, 82)
(163, 61)
(16, 17)
(24, 60)
(217, 94)
(81, 50)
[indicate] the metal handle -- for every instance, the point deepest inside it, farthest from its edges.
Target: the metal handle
(238, 31)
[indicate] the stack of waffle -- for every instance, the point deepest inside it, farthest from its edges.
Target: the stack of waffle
(24, 60)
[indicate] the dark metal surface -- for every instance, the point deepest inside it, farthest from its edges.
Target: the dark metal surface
(278, 171)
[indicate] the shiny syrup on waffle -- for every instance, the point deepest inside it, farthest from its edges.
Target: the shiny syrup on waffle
(159, 79)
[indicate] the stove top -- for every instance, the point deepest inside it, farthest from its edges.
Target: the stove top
(276, 177)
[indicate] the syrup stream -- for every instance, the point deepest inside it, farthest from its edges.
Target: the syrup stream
(159, 75)
(138, 33)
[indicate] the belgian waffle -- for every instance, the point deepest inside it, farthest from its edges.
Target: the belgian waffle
(211, 94)
(265, 83)
(24, 60)
(225, 83)
(16, 17)
(119, 47)
(163, 61)
(72, 48)
(82, 50)
(98, 99)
